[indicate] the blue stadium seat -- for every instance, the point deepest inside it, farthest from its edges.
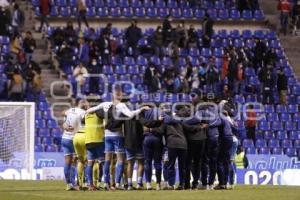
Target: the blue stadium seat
(294, 135)
(284, 117)
(219, 5)
(247, 143)
(264, 151)
(281, 109)
(39, 148)
(140, 12)
(54, 11)
(292, 108)
(247, 14)
(51, 123)
(251, 150)
(264, 126)
(247, 34)
(199, 13)
(281, 135)
(106, 69)
(128, 12)
(123, 3)
(268, 135)
(277, 126)
(115, 12)
(65, 11)
(111, 3)
(187, 13)
(38, 115)
(51, 148)
(277, 151)
(152, 12)
(56, 132)
(40, 123)
(43, 132)
(290, 126)
(103, 12)
(235, 34)
(297, 144)
(141, 60)
(272, 117)
(259, 15)
(47, 115)
(286, 143)
(172, 4)
(269, 108)
(98, 3)
(235, 14)
(260, 143)
(160, 4)
(149, 4)
(120, 69)
(133, 69)
(259, 34)
(273, 143)
(291, 152)
(175, 12)
(46, 140)
(136, 3)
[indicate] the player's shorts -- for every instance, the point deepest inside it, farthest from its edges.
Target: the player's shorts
(134, 154)
(79, 146)
(114, 144)
(67, 146)
(95, 151)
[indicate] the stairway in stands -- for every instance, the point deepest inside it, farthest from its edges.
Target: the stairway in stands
(290, 43)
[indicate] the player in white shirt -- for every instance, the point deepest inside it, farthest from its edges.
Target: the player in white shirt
(72, 123)
(114, 138)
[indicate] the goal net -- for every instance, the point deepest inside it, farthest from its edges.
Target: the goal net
(16, 140)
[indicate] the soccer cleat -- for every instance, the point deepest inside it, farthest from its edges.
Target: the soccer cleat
(220, 187)
(70, 187)
(164, 186)
(139, 187)
(203, 187)
(180, 187)
(119, 187)
(92, 188)
(211, 187)
(171, 187)
(148, 186)
(130, 187)
(194, 187)
(158, 187)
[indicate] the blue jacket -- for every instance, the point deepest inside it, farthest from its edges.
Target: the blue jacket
(226, 129)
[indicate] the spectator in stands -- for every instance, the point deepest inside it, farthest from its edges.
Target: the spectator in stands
(167, 29)
(151, 78)
(239, 79)
(251, 122)
(202, 74)
(285, 8)
(104, 47)
(45, 9)
(259, 54)
(79, 73)
(271, 57)
(29, 46)
(181, 33)
(94, 69)
(16, 87)
(81, 6)
(70, 34)
(15, 48)
(226, 94)
(268, 84)
(192, 41)
(225, 67)
(84, 50)
(36, 85)
(132, 35)
(158, 42)
(65, 54)
(195, 80)
(243, 5)
(181, 84)
(174, 53)
(17, 20)
(4, 22)
(207, 29)
(107, 30)
(169, 77)
(212, 76)
(282, 86)
(92, 50)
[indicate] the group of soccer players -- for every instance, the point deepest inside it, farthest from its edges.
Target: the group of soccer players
(105, 141)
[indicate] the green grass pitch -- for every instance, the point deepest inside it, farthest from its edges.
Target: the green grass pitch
(54, 190)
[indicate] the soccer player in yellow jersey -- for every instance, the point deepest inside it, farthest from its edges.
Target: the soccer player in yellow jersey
(94, 141)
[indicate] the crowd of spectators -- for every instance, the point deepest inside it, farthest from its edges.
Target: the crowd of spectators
(21, 75)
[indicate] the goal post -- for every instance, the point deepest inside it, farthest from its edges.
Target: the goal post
(17, 129)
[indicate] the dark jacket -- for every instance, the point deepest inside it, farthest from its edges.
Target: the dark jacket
(133, 35)
(208, 27)
(134, 134)
(282, 83)
(28, 44)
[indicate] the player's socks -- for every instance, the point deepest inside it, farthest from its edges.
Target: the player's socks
(119, 171)
(107, 171)
(89, 169)
(67, 172)
(95, 173)
(73, 175)
(140, 181)
(129, 181)
(100, 173)
(80, 172)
